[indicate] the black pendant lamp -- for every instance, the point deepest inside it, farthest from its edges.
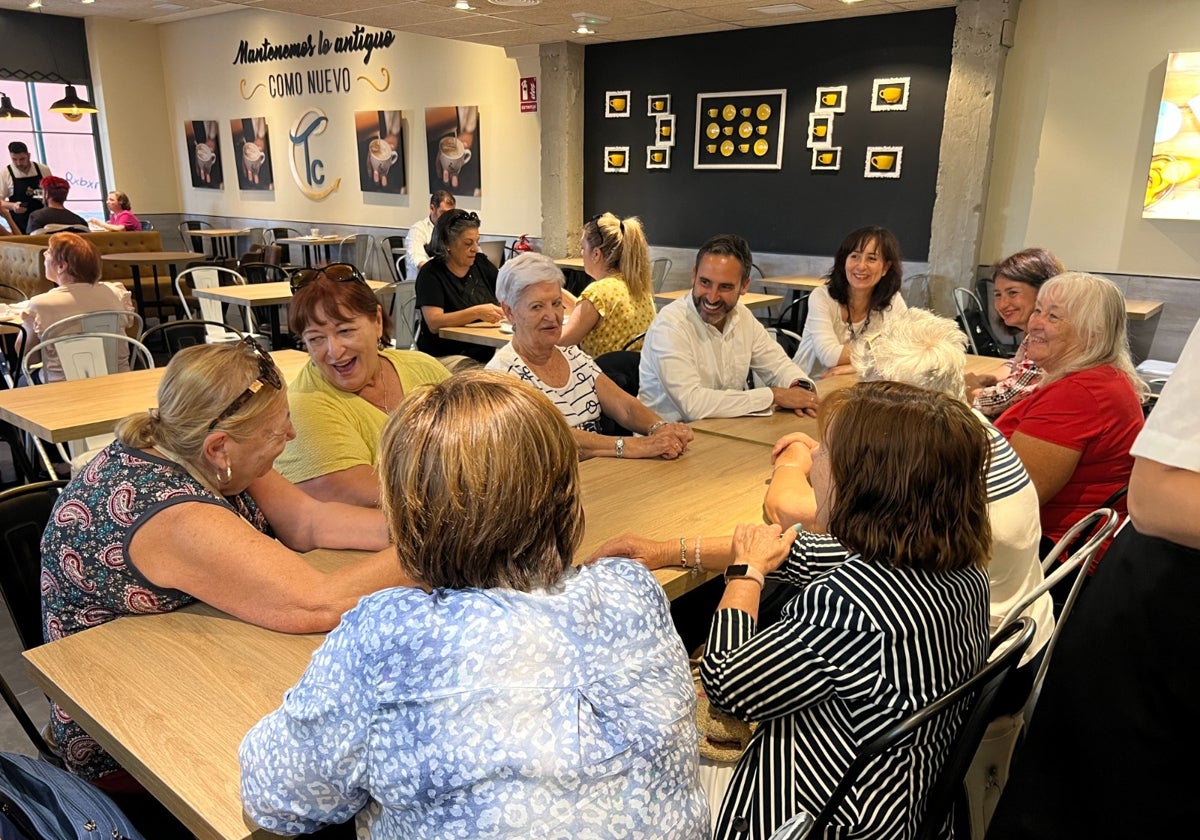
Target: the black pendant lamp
(72, 107)
(8, 112)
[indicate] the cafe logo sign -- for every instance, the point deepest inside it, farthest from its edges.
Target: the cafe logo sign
(308, 171)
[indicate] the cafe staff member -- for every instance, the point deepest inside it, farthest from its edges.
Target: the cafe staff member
(19, 182)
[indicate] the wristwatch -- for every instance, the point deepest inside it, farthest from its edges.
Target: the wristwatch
(805, 384)
(743, 571)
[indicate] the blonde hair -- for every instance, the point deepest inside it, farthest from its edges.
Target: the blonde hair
(623, 246)
(480, 485)
(200, 383)
(916, 347)
(1095, 308)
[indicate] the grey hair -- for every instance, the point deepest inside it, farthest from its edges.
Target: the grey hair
(523, 271)
(918, 348)
(1095, 308)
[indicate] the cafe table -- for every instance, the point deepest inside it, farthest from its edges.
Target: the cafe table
(767, 429)
(271, 295)
(751, 300)
(61, 411)
(489, 335)
(136, 259)
(310, 244)
(171, 696)
(224, 240)
(570, 262)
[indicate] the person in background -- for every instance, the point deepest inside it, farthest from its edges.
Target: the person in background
(73, 266)
(508, 693)
(861, 294)
(341, 400)
(20, 183)
(530, 288)
(1074, 430)
(54, 213)
(1112, 724)
(121, 214)
(887, 619)
(1017, 279)
(457, 286)
(619, 304)
(701, 348)
(421, 232)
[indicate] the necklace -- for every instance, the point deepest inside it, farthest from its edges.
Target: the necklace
(854, 334)
(382, 384)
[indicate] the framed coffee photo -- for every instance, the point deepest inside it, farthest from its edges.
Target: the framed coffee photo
(379, 138)
(252, 151)
(883, 161)
(890, 94)
(452, 141)
(204, 154)
(616, 104)
(664, 130)
(658, 157)
(616, 159)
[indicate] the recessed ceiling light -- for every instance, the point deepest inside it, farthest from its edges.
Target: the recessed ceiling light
(582, 29)
(35, 4)
(87, 2)
(782, 9)
(518, 3)
(463, 6)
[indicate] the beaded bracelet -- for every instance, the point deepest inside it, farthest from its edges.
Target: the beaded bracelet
(683, 552)
(697, 568)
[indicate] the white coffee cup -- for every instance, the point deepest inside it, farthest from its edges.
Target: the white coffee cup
(452, 154)
(381, 156)
(253, 157)
(205, 157)
(314, 232)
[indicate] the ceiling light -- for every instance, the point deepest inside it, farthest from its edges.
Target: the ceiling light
(516, 3)
(463, 6)
(583, 30)
(8, 112)
(87, 2)
(35, 4)
(782, 9)
(72, 107)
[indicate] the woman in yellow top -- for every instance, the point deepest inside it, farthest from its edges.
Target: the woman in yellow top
(619, 304)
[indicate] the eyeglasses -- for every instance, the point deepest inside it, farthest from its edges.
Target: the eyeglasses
(268, 374)
(337, 272)
(595, 220)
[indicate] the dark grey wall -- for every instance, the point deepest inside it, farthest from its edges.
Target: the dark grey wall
(39, 48)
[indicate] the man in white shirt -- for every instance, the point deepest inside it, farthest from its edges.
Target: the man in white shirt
(421, 232)
(20, 185)
(701, 348)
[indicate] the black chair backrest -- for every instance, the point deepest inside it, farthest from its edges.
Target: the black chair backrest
(975, 699)
(181, 333)
(621, 366)
(24, 512)
(794, 314)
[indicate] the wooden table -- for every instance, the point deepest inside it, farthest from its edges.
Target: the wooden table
(309, 244)
(272, 295)
(802, 282)
(570, 262)
(1142, 310)
(766, 430)
(136, 259)
(489, 335)
(171, 696)
(61, 411)
(751, 300)
(224, 240)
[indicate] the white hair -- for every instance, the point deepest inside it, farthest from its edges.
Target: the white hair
(521, 272)
(918, 348)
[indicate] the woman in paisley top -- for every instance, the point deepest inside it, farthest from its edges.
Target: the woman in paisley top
(185, 506)
(509, 694)
(530, 291)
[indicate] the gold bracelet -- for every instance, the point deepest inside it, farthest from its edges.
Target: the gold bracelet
(683, 552)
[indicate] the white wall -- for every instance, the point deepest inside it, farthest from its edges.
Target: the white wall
(1076, 126)
(201, 82)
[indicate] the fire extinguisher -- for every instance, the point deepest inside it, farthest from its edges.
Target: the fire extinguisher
(522, 245)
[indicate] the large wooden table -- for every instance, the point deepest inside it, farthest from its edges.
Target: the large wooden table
(62, 411)
(489, 335)
(224, 240)
(172, 695)
(309, 244)
(272, 295)
(751, 300)
(766, 430)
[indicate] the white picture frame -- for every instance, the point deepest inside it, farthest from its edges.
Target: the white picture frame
(882, 99)
(662, 152)
(820, 121)
(877, 155)
(612, 99)
(834, 163)
(838, 106)
(724, 112)
(665, 123)
(662, 100)
(614, 153)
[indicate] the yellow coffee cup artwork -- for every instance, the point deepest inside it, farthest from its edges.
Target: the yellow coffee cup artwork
(825, 158)
(617, 103)
(711, 148)
(664, 130)
(659, 104)
(712, 112)
(891, 94)
(762, 129)
(829, 99)
(883, 163)
(820, 129)
(616, 158)
(743, 147)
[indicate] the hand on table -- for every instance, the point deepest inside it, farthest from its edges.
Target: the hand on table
(666, 442)
(652, 554)
(800, 400)
(764, 547)
(795, 448)
(837, 370)
(489, 312)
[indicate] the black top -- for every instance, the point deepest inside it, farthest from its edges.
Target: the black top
(38, 219)
(438, 286)
(23, 189)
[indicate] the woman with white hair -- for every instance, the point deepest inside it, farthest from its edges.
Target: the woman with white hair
(530, 290)
(1074, 431)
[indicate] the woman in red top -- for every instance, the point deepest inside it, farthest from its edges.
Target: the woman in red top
(1074, 431)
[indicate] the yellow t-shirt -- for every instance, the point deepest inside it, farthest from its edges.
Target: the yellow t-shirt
(622, 316)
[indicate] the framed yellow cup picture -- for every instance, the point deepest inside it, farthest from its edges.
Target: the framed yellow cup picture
(617, 104)
(831, 99)
(883, 161)
(820, 130)
(830, 159)
(890, 94)
(616, 158)
(664, 130)
(658, 157)
(658, 104)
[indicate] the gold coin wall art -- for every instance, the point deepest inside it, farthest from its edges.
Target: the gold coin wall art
(740, 129)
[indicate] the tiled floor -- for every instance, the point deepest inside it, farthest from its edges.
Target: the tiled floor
(12, 666)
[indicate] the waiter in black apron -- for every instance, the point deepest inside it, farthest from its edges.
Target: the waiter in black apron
(20, 182)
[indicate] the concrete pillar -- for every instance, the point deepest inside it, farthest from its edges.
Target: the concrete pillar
(562, 147)
(982, 37)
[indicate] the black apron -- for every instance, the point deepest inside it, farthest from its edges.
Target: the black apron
(23, 189)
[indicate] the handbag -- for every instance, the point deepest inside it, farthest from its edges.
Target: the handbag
(39, 801)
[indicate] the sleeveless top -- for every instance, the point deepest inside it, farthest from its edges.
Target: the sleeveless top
(87, 579)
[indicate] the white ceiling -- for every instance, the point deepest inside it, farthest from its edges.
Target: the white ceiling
(507, 23)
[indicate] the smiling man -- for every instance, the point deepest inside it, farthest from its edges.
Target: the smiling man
(700, 349)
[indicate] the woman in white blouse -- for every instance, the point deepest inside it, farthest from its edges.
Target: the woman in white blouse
(862, 292)
(529, 288)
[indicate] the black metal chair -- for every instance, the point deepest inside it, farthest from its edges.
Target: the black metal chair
(184, 332)
(195, 243)
(946, 798)
(973, 319)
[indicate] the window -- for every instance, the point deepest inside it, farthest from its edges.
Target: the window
(68, 148)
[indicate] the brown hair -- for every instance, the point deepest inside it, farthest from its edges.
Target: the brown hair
(1033, 267)
(338, 300)
(122, 200)
(889, 251)
(623, 247)
(909, 472)
(55, 188)
(480, 485)
(78, 257)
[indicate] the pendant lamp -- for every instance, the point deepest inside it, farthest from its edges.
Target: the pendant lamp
(72, 107)
(8, 112)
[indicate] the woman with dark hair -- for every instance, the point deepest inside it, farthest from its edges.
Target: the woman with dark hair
(1016, 279)
(618, 305)
(862, 292)
(879, 629)
(507, 693)
(456, 287)
(341, 400)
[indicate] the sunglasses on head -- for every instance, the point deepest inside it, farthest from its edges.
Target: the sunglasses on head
(595, 220)
(268, 374)
(337, 272)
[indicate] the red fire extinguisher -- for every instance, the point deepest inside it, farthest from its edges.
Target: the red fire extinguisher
(522, 245)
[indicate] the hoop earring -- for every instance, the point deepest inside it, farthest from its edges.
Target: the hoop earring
(228, 477)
